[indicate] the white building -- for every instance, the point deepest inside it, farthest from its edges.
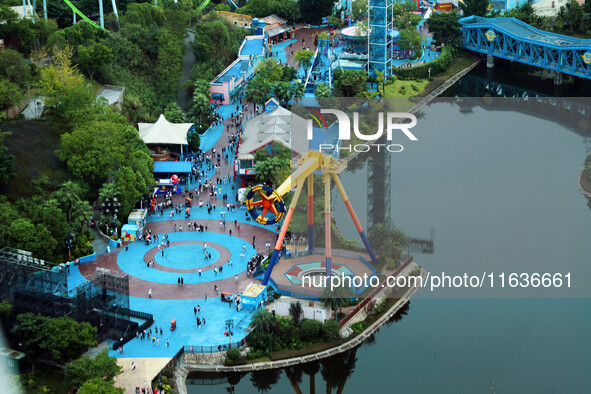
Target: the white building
(312, 309)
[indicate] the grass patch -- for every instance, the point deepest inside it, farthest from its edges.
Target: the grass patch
(264, 359)
(318, 347)
(461, 61)
(409, 88)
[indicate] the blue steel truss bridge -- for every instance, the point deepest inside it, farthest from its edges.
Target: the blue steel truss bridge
(512, 39)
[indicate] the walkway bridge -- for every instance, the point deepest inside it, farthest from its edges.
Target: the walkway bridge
(512, 39)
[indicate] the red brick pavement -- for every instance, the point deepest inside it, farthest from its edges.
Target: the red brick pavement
(139, 287)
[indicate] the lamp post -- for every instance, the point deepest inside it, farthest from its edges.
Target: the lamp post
(229, 327)
(111, 207)
(429, 72)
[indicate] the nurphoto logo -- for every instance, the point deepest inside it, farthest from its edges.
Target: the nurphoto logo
(395, 121)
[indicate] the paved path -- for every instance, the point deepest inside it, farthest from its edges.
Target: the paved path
(145, 370)
(182, 96)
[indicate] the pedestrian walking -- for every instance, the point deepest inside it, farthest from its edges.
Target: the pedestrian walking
(133, 366)
(195, 311)
(150, 292)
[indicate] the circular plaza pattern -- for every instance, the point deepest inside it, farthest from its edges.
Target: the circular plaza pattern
(185, 257)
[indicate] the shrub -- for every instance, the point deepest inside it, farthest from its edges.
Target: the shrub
(331, 330)
(232, 355)
(358, 327)
(255, 354)
(310, 329)
(414, 87)
(437, 66)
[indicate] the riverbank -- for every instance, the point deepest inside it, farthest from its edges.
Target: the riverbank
(584, 183)
(191, 362)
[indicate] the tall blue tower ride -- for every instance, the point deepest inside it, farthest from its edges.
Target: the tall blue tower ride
(380, 14)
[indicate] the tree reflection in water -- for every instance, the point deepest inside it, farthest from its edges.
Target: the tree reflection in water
(265, 379)
(335, 371)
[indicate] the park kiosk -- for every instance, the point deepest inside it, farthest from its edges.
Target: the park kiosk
(254, 295)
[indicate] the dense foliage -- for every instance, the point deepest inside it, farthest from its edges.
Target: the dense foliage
(445, 27)
(440, 64)
(85, 368)
(272, 166)
(62, 338)
(273, 333)
(216, 45)
(389, 243)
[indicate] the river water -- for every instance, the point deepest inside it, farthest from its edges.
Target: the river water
(498, 187)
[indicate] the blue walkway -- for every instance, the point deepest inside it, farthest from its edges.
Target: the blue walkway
(213, 310)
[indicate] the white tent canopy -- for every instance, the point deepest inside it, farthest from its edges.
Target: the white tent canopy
(280, 125)
(164, 132)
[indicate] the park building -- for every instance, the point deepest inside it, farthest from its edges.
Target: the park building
(276, 126)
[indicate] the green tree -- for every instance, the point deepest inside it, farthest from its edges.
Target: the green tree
(311, 329)
(5, 311)
(350, 83)
(445, 27)
(270, 70)
(168, 68)
(331, 330)
(97, 385)
(29, 327)
(93, 150)
(289, 73)
(412, 41)
(63, 87)
(85, 368)
(257, 91)
(93, 56)
(323, 90)
(262, 321)
(571, 15)
(296, 312)
(474, 7)
(15, 76)
(67, 339)
(336, 298)
(388, 243)
(173, 113)
(283, 92)
(6, 159)
(222, 7)
(304, 58)
(22, 234)
(274, 170)
(200, 107)
(312, 11)
(68, 196)
(297, 91)
(288, 9)
(194, 141)
(404, 16)
(51, 215)
(358, 9)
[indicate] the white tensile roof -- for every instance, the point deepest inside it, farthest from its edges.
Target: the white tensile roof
(164, 132)
(279, 125)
